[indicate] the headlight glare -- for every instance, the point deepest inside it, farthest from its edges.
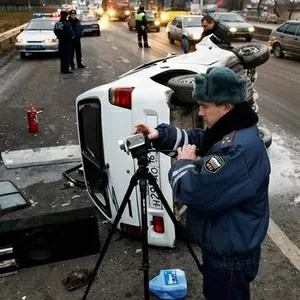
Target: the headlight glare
(232, 29)
(251, 29)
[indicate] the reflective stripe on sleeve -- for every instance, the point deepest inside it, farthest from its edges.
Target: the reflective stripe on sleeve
(179, 171)
(186, 138)
(178, 177)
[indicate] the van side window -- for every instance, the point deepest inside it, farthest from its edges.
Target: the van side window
(282, 27)
(291, 29)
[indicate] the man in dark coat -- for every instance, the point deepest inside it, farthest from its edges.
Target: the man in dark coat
(64, 33)
(141, 25)
(76, 42)
(222, 176)
(211, 27)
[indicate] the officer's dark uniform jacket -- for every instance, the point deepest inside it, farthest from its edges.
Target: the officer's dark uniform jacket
(225, 191)
(63, 31)
(76, 27)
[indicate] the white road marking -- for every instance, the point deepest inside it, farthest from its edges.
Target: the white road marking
(287, 247)
(125, 60)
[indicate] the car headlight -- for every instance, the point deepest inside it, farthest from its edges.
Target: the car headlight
(111, 13)
(251, 29)
(50, 41)
(21, 41)
(127, 12)
(232, 29)
(156, 23)
(196, 36)
(164, 17)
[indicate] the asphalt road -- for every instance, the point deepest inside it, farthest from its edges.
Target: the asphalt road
(37, 80)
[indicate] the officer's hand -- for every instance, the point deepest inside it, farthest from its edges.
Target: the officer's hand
(146, 129)
(187, 152)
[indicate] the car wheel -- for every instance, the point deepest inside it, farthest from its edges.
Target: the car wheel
(171, 40)
(183, 87)
(157, 29)
(98, 33)
(185, 45)
(248, 38)
(277, 51)
(23, 55)
(252, 55)
(266, 136)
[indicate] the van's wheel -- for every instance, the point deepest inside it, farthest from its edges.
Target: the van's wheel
(185, 45)
(252, 55)
(277, 51)
(183, 87)
(170, 38)
(265, 135)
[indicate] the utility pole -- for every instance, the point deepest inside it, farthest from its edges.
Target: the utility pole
(29, 5)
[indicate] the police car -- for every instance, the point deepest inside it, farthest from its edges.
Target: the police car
(153, 93)
(38, 36)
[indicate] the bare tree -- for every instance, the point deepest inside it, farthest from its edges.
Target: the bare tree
(260, 2)
(292, 8)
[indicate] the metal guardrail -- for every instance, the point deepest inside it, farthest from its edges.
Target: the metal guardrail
(10, 34)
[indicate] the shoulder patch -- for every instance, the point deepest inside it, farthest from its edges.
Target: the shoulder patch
(214, 164)
(227, 140)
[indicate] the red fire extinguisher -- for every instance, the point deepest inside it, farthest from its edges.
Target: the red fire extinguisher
(33, 124)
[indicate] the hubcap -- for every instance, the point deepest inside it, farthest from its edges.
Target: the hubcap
(188, 80)
(248, 51)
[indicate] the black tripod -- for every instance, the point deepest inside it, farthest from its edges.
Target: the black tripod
(141, 177)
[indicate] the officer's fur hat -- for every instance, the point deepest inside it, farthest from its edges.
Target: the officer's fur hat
(220, 85)
(64, 13)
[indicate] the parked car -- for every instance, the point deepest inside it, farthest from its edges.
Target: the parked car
(285, 39)
(268, 17)
(153, 22)
(234, 25)
(89, 23)
(153, 93)
(37, 37)
(242, 13)
(185, 29)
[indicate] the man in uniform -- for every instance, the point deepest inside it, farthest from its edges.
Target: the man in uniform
(64, 33)
(76, 42)
(141, 26)
(222, 176)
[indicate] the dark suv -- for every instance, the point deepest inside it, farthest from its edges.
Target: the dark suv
(286, 39)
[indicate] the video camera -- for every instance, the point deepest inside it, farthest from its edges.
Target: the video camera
(137, 144)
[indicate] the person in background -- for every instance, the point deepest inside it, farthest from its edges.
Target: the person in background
(76, 42)
(64, 33)
(141, 27)
(222, 175)
(211, 27)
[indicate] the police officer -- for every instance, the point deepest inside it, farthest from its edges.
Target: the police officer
(141, 26)
(76, 42)
(64, 33)
(222, 176)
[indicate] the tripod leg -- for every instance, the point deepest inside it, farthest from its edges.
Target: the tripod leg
(133, 183)
(145, 268)
(152, 181)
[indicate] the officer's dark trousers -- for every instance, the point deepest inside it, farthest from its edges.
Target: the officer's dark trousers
(64, 48)
(142, 36)
(226, 284)
(76, 47)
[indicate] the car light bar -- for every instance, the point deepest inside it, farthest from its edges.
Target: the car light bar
(121, 96)
(42, 15)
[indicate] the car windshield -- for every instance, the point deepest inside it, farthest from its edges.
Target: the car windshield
(192, 22)
(87, 17)
(231, 18)
(41, 25)
(150, 14)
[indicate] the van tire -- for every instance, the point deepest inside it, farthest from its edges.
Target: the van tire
(183, 87)
(252, 55)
